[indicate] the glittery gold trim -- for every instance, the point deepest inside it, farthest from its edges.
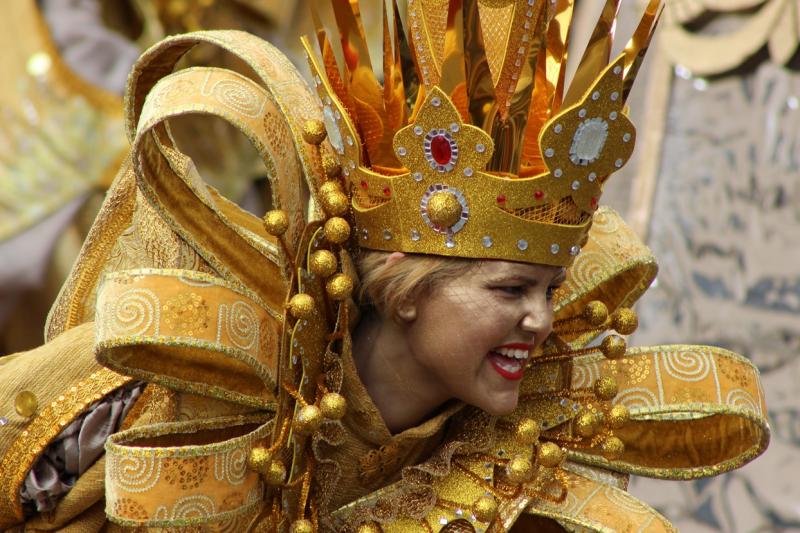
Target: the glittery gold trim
(43, 428)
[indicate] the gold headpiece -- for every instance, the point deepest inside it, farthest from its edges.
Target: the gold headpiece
(497, 161)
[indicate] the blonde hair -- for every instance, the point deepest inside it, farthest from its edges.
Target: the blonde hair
(385, 285)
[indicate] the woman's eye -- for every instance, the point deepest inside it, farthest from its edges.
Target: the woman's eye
(513, 290)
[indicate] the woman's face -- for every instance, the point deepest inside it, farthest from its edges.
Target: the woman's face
(473, 334)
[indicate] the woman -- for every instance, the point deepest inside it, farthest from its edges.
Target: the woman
(447, 404)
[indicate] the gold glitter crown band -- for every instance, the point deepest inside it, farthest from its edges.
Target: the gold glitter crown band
(471, 147)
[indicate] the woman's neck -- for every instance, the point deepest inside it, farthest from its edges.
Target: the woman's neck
(403, 392)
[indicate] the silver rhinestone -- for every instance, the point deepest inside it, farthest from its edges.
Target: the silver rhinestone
(618, 163)
(613, 115)
(365, 234)
(576, 185)
(487, 241)
(617, 69)
(387, 235)
(554, 248)
(558, 128)
(3, 421)
(480, 148)
(468, 172)
(436, 101)
(351, 164)
(418, 130)
(401, 151)
(626, 137)
(454, 127)
(549, 152)
(574, 250)
(582, 113)
(337, 114)
(450, 243)
(459, 512)
(592, 176)
(614, 96)
(414, 235)
(522, 244)
(349, 141)
(596, 95)
(417, 176)
(558, 172)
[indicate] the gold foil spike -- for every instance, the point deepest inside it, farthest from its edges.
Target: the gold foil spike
(480, 86)
(354, 42)
(637, 47)
(556, 48)
(597, 54)
(427, 27)
(405, 56)
(452, 70)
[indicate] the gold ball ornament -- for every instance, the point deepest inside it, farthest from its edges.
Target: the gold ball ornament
(329, 187)
(595, 313)
(26, 404)
(625, 321)
(612, 448)
(606, 388)
(613, 346)
(550, 455)
(331, 166)
(618, 416)
(323, 263)
(485, 508)
(444, 209)
(307, 420)
(276, 474)
(335, 203)
(369, 527)
(519, 469)
(259, 460)
(337, 230)
(585, 424)
(333, 406)
(276, 222)
(339, 287)
(314, 131)
(302, 526)
(302, 306)
(528, 431)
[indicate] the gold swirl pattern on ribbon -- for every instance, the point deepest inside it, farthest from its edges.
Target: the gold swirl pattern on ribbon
(170, 339)
(154, 486)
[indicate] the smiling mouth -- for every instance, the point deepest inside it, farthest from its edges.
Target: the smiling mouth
(509, 361)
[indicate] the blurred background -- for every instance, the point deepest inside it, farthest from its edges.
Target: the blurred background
(713, 188)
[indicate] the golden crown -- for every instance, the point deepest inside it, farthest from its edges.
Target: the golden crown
(471, 147)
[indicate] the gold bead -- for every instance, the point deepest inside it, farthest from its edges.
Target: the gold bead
(329, 187)
(612, 448)
(606, 388)
(444, 209)
(259, 460)
(331, 166)
(314, 131)
(585, 424)
(335, 203)
(485, 508)
(302, 306)
(550, 455)
(528, 431)
(323, 263)
(337, 230)
(26, 404)
(369, 527)
(276, 222)
(276, 473)
(618, 416)
(333, 406)
(301, 526)
(339, 287)
(625, 321)
(595, 313)
(613, 346)
(519, 469)
(307, 420)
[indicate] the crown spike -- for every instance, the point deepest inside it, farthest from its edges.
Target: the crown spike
(408, 69)
(480, 86)
(557, 51)
(351, 31)
(597, 53)
(637, 47)
(452, 70)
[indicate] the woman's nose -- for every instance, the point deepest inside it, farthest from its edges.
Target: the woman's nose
(538, 320)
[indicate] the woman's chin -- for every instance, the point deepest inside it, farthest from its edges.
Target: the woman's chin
(500, 404)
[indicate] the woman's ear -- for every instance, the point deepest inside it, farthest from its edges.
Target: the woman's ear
(407, 310)
(394, 256)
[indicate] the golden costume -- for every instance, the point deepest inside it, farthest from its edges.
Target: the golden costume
(254, 415)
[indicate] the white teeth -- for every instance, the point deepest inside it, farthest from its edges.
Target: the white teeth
(512, 352)
(509, 366)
